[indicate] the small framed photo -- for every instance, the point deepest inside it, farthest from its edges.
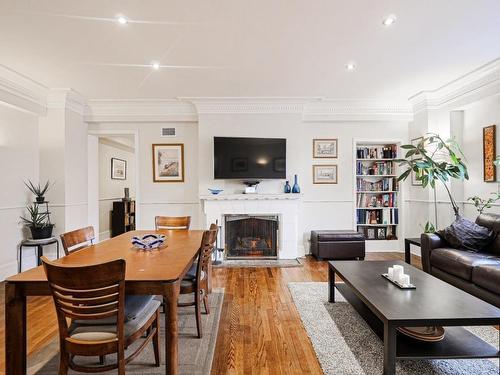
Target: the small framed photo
(370, 234)
(118, 169)
(381, 234)
(414, 180)
(168, 162)
(325, 174)
(325, 148)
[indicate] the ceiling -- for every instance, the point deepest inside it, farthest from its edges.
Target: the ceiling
(257, 48)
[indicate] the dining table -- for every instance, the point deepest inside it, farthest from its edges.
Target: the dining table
(153, 272)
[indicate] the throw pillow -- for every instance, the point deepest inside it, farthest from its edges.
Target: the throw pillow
(465, 234)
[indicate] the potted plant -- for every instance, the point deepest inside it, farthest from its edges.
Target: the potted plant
(38, 223)
(38, 190)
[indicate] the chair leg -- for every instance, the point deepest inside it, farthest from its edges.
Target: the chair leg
(197, 310)
(205, 303)
(63, 364)
(156, 339)
(121, 360)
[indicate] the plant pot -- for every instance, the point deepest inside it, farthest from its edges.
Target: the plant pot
(40, 199)
(39, 233)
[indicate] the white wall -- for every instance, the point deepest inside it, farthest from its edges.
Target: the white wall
(18, 163)
(111, 190)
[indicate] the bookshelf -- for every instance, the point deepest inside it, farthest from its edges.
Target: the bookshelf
(377, 194)
(122, 217)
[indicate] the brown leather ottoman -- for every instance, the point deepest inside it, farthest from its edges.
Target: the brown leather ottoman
(337, 244)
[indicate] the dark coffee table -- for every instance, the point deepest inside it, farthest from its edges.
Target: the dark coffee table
(385, 307)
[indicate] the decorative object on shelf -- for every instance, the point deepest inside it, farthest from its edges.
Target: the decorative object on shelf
(168, 162)
(38, 190)
(489, 153)
(148, 242)
(414, 180)
(126, 193)
(325, 174)
(325, 148)
(215, 191)
(381, 233)
(482, 203)
(118, 169)
(288, 188)
(251, 187)
(295, 187)
(38, 222)
(426, 334)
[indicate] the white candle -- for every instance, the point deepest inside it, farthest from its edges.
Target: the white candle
(390, 273)
(397, 271)
(405, 279)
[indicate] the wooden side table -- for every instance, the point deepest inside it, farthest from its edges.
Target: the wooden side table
(39, 244)
(410, 241)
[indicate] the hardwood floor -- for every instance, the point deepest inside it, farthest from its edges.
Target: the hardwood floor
(260, 331)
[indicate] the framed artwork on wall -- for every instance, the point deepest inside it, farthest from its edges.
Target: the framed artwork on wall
(168, 162)
(414, 180)
(489, 153)
(118, 169)
(324, 174)
(325, 148)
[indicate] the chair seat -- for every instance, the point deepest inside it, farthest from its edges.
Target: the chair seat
(103, 331)
(488, 277)
(191, 274)
(459, 262)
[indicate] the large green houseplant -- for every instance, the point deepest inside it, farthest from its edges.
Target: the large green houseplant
(435, 160)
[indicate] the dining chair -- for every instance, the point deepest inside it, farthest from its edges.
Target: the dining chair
(195, 280)
(77, 239)
(93, 297)
(172, 222)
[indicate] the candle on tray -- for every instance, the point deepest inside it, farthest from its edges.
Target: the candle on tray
(397, 272)
(390, 273)
(405, 279)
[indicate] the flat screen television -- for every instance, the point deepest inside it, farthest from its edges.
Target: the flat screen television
(249, 158)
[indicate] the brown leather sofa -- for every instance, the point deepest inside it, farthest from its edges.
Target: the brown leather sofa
(477, 273)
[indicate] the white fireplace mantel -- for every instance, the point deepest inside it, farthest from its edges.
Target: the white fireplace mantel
(286, 206)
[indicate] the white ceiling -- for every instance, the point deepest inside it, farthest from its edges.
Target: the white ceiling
(256, 48)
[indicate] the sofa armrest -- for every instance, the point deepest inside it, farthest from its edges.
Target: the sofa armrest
(429, 242)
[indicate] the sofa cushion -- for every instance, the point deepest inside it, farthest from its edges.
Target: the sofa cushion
(487, 276)
(337, 235)
(492, 222)
(459, 262)
(465, 234)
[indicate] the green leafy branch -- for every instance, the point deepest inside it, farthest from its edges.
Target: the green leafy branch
(482, 204)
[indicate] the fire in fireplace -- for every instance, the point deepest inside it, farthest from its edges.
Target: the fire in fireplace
(251, 236)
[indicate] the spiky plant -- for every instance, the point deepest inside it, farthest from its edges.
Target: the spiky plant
(38, 190)
(36, 219)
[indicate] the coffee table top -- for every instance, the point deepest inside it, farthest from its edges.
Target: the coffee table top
(433, 301)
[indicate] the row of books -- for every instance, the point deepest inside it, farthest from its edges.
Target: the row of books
(384, 216)
(385, 184)
(376, 200)
(374, 169)
(377, 152)
(381, 233)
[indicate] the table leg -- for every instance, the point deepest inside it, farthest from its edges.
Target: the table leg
(39, 255)
(15, 330)
(407, 252)
(57, 249)
(389, 349)
(170, 297)
(331, 284)
(20, 258)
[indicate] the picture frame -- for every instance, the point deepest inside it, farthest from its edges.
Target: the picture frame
(370, 234)
(414, 181)
(118, 169)
(168, 162)
(489, 154)
(325, 174)
(325, 148)
(381, 233)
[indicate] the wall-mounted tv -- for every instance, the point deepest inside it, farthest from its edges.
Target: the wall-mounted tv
(249, 158)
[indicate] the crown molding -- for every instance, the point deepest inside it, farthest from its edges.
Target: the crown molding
(66, 98)
(139, 110)
(22, 92)
(473, 86)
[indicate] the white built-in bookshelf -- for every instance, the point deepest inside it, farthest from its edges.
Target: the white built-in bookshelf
(377, 198)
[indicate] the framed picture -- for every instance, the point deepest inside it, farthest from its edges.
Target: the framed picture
(324, 174)
(118, 169)
(414, 180)
(370, 234)
(489, 153)
(168, 162)
(325, 148)
(381, 234)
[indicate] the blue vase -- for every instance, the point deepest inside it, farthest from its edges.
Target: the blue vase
(288, 188)
(295, 188)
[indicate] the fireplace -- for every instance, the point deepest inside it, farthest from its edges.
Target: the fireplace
(253, 236)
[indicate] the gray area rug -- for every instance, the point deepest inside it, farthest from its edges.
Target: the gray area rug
(345, 344)
(260, 263)
(195, 355)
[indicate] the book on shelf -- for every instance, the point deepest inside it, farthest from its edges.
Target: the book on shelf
(367, 200)
(377, 217)
(377, 152)
(374, 168)
(385, 184)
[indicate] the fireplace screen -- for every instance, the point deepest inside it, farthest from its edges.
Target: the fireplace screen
(251, 236)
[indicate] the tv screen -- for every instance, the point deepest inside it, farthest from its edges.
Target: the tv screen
(249, 158)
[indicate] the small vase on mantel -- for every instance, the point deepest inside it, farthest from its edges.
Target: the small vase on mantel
(296, 188)
(288, 188)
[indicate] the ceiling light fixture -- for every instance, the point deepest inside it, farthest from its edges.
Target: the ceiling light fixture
(350, 67)
(122, 20)
(389, 20)
(155, 65)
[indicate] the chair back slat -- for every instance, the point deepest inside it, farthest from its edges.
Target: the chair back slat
(172, 222)
(206, 249)
(77, 239)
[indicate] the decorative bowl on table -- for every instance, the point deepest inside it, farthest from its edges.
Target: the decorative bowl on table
(148, 242)
(215, 191)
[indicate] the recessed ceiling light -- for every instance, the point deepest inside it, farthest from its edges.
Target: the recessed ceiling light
(389, 20)
(122, 20)
(155, 65)
(350, 67)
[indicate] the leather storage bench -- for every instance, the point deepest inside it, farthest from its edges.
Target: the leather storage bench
(337, 244)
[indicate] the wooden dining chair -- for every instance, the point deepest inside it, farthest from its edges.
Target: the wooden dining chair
(172, 222)
(93, 297)
(195, 280)
(77, 239)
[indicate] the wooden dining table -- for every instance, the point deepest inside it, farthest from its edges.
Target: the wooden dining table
(157, 272)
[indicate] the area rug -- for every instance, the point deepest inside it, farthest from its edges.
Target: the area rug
(195, 355)
(345, 344)
(259, 263)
